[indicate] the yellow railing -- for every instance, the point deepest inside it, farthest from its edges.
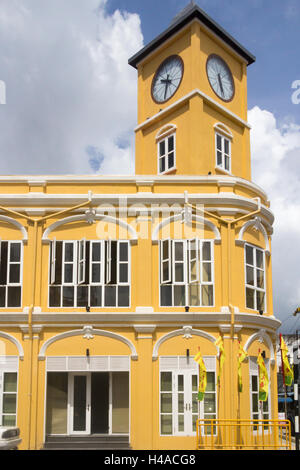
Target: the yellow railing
(242, 434)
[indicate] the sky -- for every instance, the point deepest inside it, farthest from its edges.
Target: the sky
(70, 99)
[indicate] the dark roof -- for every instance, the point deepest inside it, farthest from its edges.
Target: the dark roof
(190, 12)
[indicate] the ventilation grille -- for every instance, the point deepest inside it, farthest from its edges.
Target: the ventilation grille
(92, 363)
(184, 363)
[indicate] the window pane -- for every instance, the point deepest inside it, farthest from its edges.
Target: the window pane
(178, 251)
(9, 420)
(165, 245)
(171, 143)
(15, 252)
(171, 160)
(10, 382)
(249, 298)
(207, 295)
(219, 158)
(162, 148)
(96, 252)
(82, 296)
(206, 272)
(2, 296)
(95, 272)
(254, 383)
(219, 142)
(14, 273)
(14, 296)
(227, 163)
(162, 165)
(123, 251)
(68, 251)
(250, 275)
(3, 264)
(194, 297)
(165, 271)
(249, 255)
(180, 383)
(123, 296)
(210, 377)
(54, 296)
(209, 403)
(260, 300)
(180, 403)
(166, 295)
(206, 251)
(179, 272)
(123, 273)
(68, 273)
(68, 296)
(9, 403)
(226, 146)
(259, 259)
(259, 278)
(166, 402)
(166, 381)
(110, 296)
(166, 424)
(96, 296)
(179, 295)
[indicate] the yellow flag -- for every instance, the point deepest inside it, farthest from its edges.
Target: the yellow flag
(287, 371)
(263, 391)
(202, 376)
(220, 345)
(241, 357)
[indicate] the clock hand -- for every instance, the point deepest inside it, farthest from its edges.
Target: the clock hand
(220, 83)
(167, 82)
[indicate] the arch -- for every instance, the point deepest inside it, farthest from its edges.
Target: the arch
(165, 130)
(220, 127)
(261, 335)
(89, 218)
(187, 332)
(87, 332)
(17, 224)
(257, 224)
(15, 342)
(176, 217)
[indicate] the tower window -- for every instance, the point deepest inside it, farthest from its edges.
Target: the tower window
(255, 278)
(166, 154)
(223, 152)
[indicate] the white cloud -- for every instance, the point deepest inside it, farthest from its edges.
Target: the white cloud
(69, 87)
(275, 154)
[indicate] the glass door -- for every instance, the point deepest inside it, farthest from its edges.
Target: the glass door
(80, 403)
(185, 402)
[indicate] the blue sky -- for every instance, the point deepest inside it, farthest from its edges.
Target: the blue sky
(71, 98)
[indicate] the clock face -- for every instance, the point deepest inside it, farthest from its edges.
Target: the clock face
(220, 77)
(167, 79)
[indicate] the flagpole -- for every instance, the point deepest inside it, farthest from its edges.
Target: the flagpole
(284, 385)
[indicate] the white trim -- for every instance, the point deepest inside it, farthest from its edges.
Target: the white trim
(220, 127)
(188, 96)
(257, 223)
(177, 217)
(165, 156)
(81, 332)
(76, 218)
(17, 224)
(261, 336)
(222, 165)
(165, 131)
(181, 332)
(15, 342)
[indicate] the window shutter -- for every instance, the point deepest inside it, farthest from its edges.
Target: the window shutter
(193, 260)
(81, 255)
(52, 261)
(165, 261)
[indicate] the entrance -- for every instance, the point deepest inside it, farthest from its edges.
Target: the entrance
(84, 403)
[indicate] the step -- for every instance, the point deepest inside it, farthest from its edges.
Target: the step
(83, 442)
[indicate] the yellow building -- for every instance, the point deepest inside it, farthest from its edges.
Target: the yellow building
(110, 285)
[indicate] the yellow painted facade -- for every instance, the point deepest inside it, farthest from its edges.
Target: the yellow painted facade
(143, 337)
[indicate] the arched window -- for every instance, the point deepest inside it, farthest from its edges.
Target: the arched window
(166, 149)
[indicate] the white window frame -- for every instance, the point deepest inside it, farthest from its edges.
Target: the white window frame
(8, 264)
(53, 261)
(222, 166)
(186, 282)
(2, 392)
(166, 154)
(81, 250)
(191, 369)
(255, 268)
(196, 260)
(167, 260)
(104, 276)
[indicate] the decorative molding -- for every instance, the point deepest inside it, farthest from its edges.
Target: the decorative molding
(10, 220)
(144, 328)
(15, 342)
(262, 337)
(88, 332)
(186, 332)
(256, 223)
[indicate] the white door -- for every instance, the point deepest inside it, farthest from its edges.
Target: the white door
(185, 403)
(79, 403)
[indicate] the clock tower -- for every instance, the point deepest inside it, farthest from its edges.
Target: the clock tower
(192, 100)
